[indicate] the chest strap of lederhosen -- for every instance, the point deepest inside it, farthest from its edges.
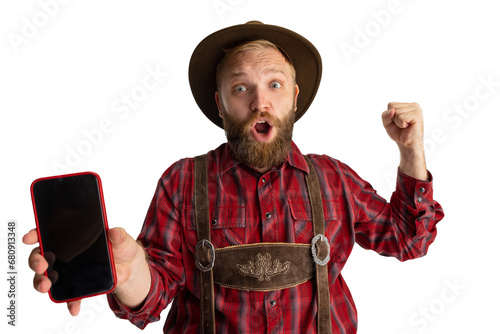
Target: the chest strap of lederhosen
(275, 265)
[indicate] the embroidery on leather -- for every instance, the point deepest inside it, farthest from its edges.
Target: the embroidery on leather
(263, 269)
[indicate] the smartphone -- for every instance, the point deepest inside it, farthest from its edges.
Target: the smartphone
(72, 231)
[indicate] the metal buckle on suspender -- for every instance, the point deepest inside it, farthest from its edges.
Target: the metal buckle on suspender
(199, 245)
(317, 238)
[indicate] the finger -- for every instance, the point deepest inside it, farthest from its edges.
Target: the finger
(404, 119)
(74, 307)
(397, 105)
(387, 117)
(392, 105)
(406, 109)
(50, 257)
(409, 115)
(37, 262)
(31, 237)
(41, 283)
(53, 276)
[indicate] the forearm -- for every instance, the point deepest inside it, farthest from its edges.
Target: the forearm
(137, 282)
(412, 162)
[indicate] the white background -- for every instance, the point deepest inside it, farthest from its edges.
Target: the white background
(66, 66)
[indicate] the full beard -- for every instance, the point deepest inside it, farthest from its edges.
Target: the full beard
(259, 155)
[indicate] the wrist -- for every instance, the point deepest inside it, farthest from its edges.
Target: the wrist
(134, 288)
(412, 162)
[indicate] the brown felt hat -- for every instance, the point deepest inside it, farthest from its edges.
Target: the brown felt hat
(210, 51)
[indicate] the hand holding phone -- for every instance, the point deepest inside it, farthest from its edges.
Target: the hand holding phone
(132, 271)
(133, 279)
(71, 228)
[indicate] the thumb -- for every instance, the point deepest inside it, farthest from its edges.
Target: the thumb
(120, 238)
(125, 248)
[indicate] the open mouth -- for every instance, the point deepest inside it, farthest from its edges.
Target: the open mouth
(262, 127)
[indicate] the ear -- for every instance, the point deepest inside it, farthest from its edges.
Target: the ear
(296, 96)
(217, 101)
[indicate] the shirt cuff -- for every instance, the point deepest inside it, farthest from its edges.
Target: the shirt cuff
(142, 316)
(416, 193)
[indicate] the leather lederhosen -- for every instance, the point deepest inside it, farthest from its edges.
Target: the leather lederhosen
(261, 266)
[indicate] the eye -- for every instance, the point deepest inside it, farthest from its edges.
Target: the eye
(240, 89)
(275, 84)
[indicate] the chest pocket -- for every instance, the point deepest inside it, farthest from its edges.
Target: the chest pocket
(227, 225)
(302, 221)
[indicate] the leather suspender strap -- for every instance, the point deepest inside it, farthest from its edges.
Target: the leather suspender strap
(204, 249)
(324, 317)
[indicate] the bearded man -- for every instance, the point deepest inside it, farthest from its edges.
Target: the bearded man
(252, 237)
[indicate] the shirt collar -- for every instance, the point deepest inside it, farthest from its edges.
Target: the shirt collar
(294, 159)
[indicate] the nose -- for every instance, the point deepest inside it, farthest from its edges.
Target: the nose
(260, 100)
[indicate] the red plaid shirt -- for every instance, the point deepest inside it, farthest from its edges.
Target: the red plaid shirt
(248, 207)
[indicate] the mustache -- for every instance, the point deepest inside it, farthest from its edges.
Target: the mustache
(275, 121)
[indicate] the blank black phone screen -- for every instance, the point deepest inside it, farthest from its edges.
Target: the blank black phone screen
(72, 229)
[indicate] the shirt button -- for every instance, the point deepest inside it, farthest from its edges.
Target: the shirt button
(268, 215)
(264, 180)
(421, 190)
(273, 303)
(419, 199)
(214, 222)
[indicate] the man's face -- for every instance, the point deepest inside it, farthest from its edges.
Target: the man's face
(257, 101)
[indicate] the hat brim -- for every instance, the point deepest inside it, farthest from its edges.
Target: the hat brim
(206, 56)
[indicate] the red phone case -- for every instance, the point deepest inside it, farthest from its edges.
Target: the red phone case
(103, 209)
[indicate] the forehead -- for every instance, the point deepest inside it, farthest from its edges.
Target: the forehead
(264, 60)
